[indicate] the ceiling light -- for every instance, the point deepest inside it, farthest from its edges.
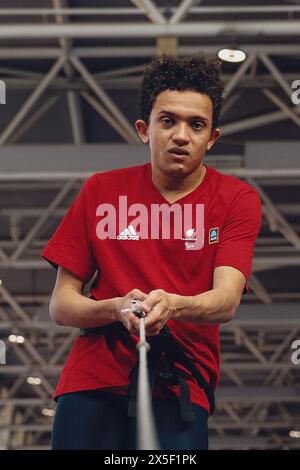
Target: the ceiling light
(20, 339)
(232, 55)
(295, 434)
(16, 339)
(48, 412)
(34, 380)
(12, 338)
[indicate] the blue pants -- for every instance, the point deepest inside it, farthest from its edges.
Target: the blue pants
(98, 420)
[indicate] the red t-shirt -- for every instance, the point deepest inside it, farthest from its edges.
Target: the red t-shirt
(232, 217)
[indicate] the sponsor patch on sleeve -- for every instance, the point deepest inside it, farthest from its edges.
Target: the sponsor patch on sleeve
(213, 236)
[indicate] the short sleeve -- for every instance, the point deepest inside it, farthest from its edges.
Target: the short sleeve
(70, 246)
(239, 233)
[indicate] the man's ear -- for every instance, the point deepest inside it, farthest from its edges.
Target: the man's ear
(142, 130)
(214, 135)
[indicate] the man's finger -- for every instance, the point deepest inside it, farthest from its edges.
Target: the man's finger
(133, 321)
(154, 320)
(150, 302)
(152, 333)
(138, 294)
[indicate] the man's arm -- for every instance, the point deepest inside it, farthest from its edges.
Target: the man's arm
(69, 307)
(214, 306)
(217, 305)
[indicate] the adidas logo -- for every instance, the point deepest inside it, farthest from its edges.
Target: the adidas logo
(128, 234)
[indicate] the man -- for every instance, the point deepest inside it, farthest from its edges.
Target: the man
(191, 283)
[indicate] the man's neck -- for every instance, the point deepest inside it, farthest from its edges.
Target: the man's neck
(173, 189)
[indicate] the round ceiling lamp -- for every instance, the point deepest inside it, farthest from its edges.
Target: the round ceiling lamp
(232, 55)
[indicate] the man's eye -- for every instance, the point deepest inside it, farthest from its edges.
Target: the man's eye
(166, 121)
(197, 125)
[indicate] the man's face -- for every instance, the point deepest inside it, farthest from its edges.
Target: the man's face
(179, 131)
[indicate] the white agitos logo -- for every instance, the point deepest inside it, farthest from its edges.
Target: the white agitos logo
(189, 233)
(191, 239)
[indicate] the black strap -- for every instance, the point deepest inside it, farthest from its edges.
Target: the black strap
(173, 351)
(167, 342)
(186, 409)
(103, 330)
(132, 394)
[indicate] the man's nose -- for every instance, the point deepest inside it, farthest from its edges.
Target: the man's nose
(181, 134)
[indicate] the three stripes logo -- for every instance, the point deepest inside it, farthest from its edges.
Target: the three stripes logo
(128, 234)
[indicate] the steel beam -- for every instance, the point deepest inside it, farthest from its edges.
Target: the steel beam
(105, 99)
(129, 11)
(236, 77)
(145, 30)
(73, 99)
(275, 72)
(182, 10)
(40, 222)
(290, 112)
(23, 53)
(257, 121)
(149, 8)
(31, 101)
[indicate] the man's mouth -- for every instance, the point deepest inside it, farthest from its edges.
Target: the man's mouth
(178, 153)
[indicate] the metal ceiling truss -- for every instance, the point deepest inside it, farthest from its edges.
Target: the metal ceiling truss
(187, 6)
(205, 29)
(98, 98)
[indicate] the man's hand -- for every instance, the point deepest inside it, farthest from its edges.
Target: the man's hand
(159, 307)
(125, 315)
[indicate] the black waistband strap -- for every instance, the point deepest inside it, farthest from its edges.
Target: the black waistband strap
(165, 342)
(186, 409)
(112, 327)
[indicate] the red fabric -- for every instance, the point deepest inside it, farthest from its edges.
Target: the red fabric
(230, 204)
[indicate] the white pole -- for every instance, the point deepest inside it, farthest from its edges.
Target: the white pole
(146, 432)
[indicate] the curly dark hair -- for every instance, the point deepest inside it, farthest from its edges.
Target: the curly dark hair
(168, 72)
